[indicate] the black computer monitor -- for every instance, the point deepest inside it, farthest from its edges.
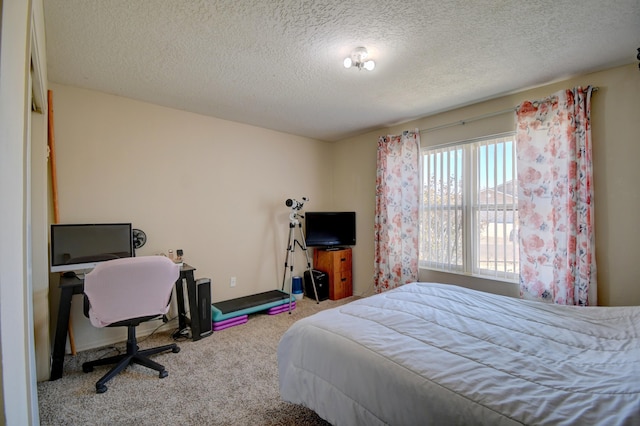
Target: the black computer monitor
(78, 247)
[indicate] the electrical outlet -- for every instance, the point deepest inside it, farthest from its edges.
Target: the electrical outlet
(232, 282)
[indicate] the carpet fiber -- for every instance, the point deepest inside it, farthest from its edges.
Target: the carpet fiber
(228, 378)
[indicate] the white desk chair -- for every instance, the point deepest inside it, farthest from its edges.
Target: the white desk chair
(124, 293)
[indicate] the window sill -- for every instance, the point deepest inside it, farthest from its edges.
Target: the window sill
(476, 282)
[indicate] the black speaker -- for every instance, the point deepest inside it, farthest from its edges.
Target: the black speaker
(203, 291)
(322, 285)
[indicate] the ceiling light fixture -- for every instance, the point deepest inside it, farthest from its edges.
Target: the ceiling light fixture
(357, 59)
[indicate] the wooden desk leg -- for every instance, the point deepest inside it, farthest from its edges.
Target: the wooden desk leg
(60, 340)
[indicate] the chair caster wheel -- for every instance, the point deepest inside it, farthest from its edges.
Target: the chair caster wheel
(163, 374)
(101, 388)
(87, 368)
(175, 350)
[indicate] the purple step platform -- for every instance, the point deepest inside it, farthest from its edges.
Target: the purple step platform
(221, 325)
(242, 319)
(281, 308)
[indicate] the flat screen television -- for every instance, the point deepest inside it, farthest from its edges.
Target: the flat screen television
(77, 247)
(330, 229)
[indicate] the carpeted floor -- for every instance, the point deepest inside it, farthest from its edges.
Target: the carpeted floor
(228, 378)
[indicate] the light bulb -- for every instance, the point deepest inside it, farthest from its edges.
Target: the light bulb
(347, 62)
(369, 65)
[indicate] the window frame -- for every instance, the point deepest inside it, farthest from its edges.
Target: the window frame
(472, 207)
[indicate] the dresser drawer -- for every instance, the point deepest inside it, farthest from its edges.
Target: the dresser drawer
(342, 261)
(342, 285)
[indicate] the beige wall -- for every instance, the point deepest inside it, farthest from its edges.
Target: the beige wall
(616, 152)
(214, 188)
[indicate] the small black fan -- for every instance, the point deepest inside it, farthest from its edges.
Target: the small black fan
(139, 238)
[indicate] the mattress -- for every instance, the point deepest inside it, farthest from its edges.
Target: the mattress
(428, 353)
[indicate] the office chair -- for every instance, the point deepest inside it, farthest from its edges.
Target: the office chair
(124, 293)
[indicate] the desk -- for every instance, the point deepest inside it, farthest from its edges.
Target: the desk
(74, 285)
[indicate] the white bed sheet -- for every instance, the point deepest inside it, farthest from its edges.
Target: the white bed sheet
(430, 353)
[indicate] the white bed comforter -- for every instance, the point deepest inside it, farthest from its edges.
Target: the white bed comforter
(440, 354)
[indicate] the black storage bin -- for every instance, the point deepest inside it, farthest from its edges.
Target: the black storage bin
(322, 285)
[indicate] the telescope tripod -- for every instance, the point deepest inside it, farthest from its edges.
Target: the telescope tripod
(290, 256)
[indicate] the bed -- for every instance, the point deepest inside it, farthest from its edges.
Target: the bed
(428, 353)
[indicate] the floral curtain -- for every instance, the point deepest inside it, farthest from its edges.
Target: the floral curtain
(397, 211)
(557, 249)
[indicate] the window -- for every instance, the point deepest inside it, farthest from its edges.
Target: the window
(469, 220)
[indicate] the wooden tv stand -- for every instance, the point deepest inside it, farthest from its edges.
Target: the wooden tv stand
(336, 263)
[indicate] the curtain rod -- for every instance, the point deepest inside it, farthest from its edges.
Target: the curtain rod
(476, 118)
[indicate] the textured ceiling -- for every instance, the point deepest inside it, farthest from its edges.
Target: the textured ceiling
(278, 63)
